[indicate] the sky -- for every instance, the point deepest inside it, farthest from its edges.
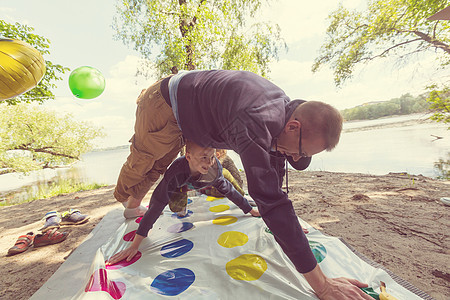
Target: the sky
(81, 34)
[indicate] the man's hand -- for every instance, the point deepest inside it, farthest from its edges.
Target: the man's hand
(335, 288)
(127, 254)
(343, 288)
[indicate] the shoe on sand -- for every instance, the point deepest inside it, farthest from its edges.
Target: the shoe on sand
(73, 217)
(49, 237)
(22, 244)
(52, 221)
(445, 200)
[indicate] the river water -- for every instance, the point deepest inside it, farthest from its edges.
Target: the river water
(379, 150)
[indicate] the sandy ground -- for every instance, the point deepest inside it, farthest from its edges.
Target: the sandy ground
(395, 220)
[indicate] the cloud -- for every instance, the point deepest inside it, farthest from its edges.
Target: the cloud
(123, 86)
(380, 80)
(303, 19)
(118, 129)
(5, 12)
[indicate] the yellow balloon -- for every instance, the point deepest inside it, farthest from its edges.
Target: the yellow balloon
(21, 68)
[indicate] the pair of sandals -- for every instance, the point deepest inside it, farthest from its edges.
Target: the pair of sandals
(49, 235)
(30, 239)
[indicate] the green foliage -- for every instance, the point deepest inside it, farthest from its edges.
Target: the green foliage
(33, 138)
(396, 28)
(191, 34)
(439, 99)
(404, 105)
(43, 90)
(55, 188)
(64, 187)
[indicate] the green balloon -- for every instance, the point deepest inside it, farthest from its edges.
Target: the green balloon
(86, 82)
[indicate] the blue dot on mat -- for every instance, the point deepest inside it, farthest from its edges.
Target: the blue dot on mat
(189, 212)
(180, 227)
(189, 201)
(173, 282)
(177, 248)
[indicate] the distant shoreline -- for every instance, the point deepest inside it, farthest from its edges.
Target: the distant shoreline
(420, 119)
(388, 125)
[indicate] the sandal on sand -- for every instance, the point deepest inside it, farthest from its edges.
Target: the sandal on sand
(22, 244)
(73, 217)
(49, 237)
(52, 220)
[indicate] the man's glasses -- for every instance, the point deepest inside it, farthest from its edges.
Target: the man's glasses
(302, 154)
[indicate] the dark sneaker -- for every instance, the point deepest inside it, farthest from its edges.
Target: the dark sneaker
(52, 221)
(178, 201)
(73, 217)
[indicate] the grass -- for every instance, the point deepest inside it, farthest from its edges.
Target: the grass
(61, 187)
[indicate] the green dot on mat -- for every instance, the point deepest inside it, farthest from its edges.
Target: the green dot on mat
(369, 291)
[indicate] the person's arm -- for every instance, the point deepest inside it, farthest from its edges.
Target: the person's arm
(158, 201)
(335, 288)
(226, 188)
(278, 213)
(128, 253)
(147, 221)
(278, 161)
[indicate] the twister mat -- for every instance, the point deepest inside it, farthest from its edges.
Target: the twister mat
(217, 252)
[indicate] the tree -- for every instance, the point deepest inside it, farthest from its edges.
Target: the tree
(197, 34)
(387, 28)
(33, 138)
(396, 28)
(42, 91)
(439, 99)
(406, 104)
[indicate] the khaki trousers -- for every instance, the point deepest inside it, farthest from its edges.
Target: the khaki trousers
(156, 142)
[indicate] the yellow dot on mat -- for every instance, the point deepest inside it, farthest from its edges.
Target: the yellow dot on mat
(246, 267)
(232, 239)
(219, 208)
(211, 198)
(224, 220)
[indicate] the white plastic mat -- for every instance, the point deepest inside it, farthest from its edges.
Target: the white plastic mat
(217, 252)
